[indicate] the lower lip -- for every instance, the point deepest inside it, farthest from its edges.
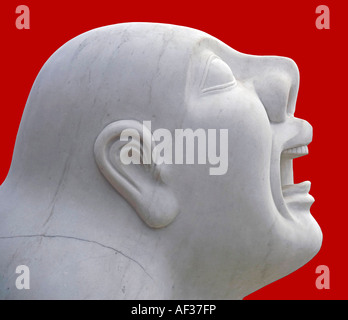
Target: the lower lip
(296, 196)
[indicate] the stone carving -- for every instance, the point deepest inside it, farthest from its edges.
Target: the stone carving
(218, 221)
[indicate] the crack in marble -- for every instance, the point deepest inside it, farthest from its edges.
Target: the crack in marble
(78, 239)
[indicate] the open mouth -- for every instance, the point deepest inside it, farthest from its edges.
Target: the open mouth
(293, 197)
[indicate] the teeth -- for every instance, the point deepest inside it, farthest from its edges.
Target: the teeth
(296, 152)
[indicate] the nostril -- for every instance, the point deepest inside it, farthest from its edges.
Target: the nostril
(273, 90)
(276, 84)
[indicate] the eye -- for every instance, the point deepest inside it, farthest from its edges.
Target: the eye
(217, 75)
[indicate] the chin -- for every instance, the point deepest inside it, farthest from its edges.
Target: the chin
(302, 241)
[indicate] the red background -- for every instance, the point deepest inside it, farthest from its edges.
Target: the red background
(285, 28)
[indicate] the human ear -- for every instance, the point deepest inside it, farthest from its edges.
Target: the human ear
(131, 169)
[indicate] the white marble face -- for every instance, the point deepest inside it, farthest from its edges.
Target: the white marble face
(255, 206)
(238, 231)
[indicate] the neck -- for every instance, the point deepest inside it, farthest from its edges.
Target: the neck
(86, 236)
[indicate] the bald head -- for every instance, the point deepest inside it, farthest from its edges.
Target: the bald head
(251, 224)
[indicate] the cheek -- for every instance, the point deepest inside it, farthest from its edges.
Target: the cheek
(249, 144)
(246, 185)
(250, 138)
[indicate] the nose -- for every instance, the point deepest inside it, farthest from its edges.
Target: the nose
(277, 84)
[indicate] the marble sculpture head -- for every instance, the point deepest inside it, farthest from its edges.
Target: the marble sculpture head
(89, 226)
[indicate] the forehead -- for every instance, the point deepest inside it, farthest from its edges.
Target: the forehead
(140, 69)
(151, 65)
(167, 53)
(165, 46)
(164, 65)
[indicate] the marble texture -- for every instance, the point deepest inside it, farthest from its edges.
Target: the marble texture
(90, 227)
